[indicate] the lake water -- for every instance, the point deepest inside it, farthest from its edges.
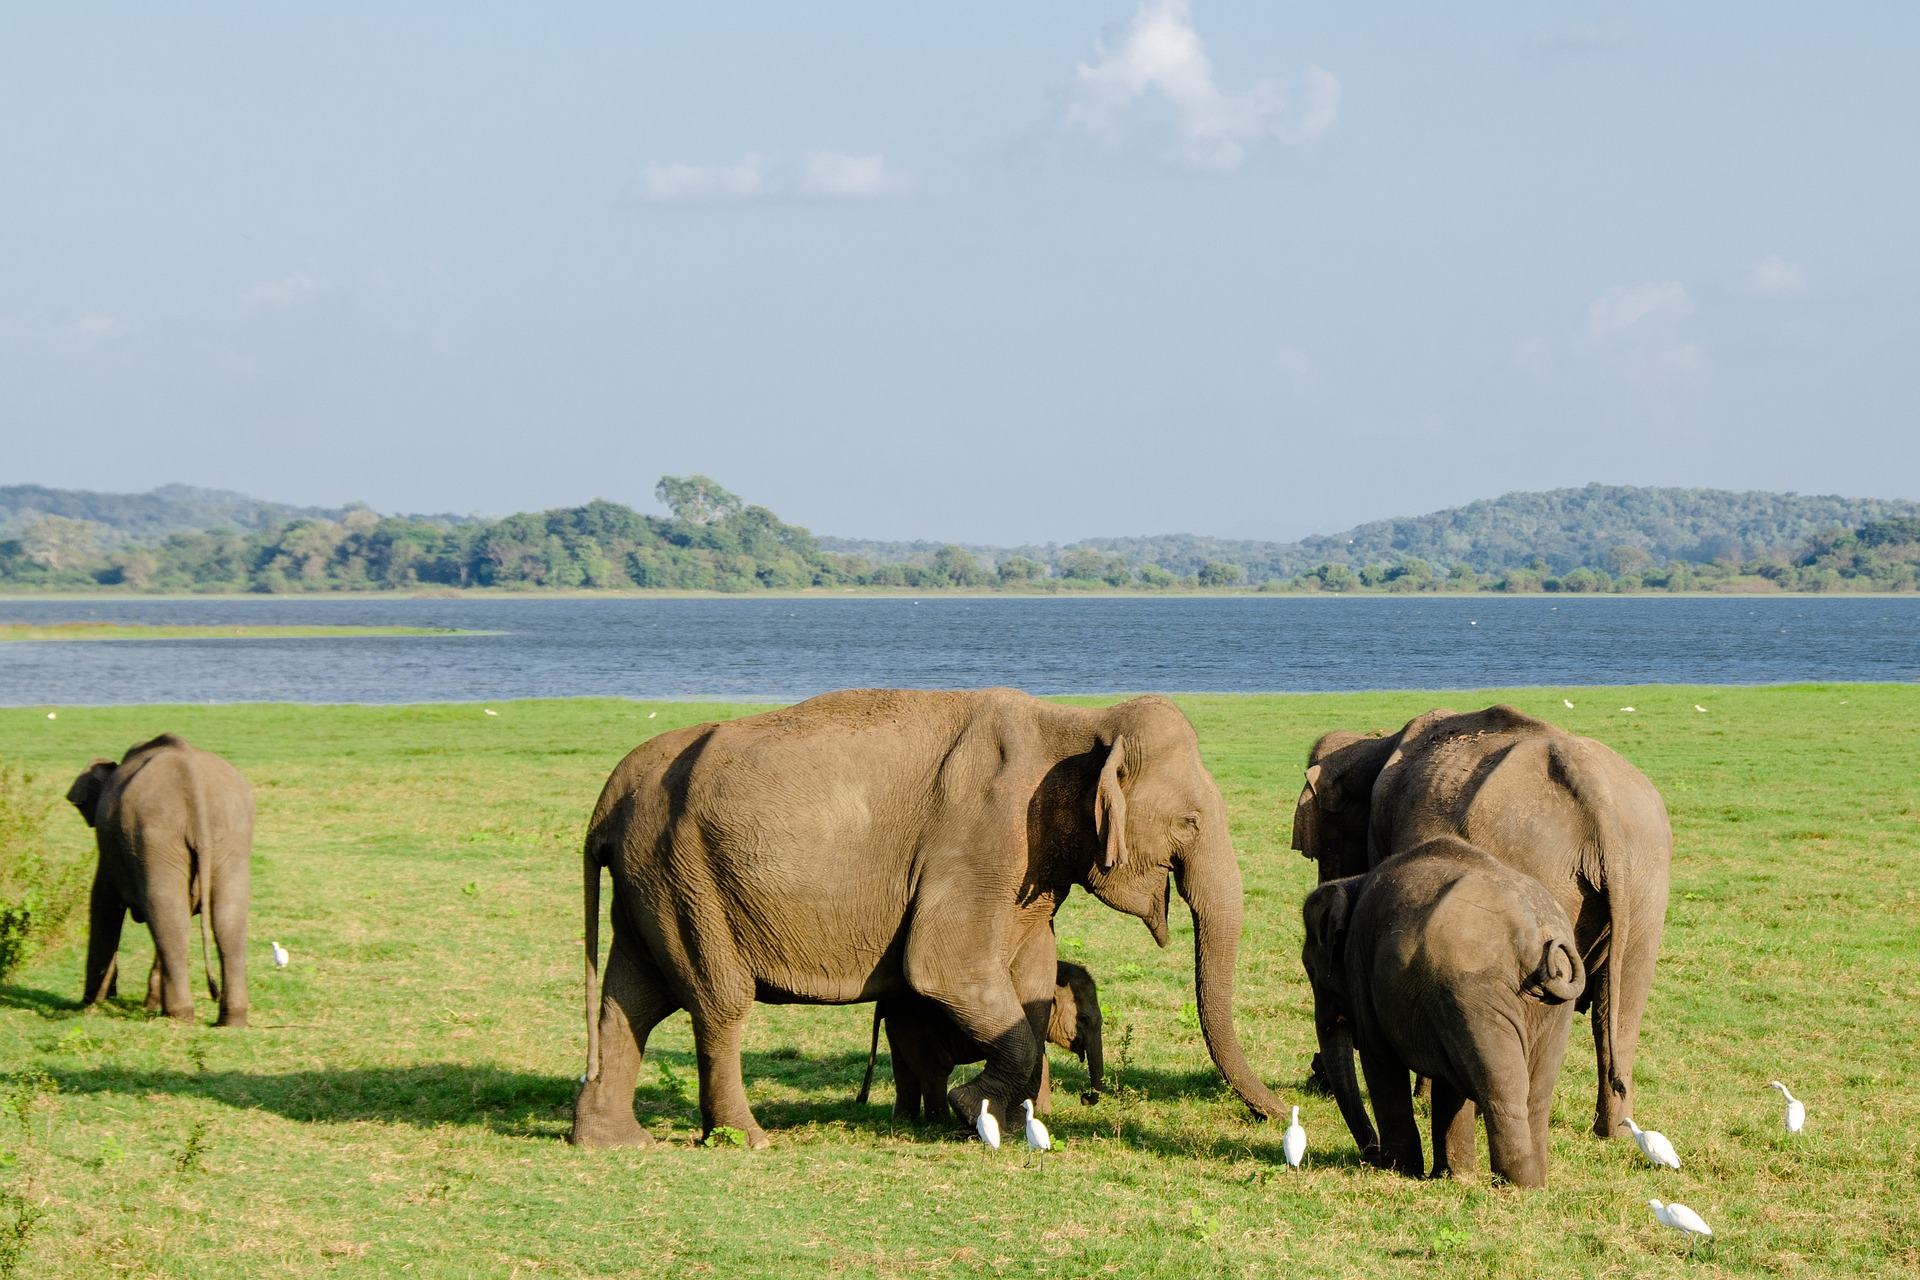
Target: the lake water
(759, 648)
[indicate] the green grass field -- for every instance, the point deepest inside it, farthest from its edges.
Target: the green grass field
(398, 1105)
(142, 631)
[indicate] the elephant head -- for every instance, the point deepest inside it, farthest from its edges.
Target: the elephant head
(1330, 819)
(1326, 913)
(1075, 1024)
(87, 789)
(1158, 815)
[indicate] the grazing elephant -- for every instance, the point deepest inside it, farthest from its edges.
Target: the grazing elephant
(1566, 810)
(1456, 966)
(884, 842)
(174, 825)
(926, 1046)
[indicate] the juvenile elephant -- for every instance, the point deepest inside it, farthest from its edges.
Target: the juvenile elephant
(1453, 965)
(878, 843)
(174, 827)
(1566, 810)
(925, 1045)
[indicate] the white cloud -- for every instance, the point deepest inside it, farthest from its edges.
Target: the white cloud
(95, 326)
(1775, 277)
(1637, 327)
(288, 291)
(820, 174)
(1161, 57)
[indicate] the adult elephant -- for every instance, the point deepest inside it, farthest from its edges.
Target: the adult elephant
(926, 1046)
(174, 828)
(1567, 810)
(875, 843)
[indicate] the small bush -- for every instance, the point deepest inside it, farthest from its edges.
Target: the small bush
(37, 894)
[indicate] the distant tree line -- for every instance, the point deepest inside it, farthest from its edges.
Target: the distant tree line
(713, 541)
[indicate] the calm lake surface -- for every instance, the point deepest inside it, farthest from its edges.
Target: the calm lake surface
(784, 649)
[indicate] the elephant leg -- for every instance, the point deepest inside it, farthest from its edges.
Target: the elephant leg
(229, 915)
(1454, 1116)
(153, 985)
(1548, 1050)
(170, 920)
(717, 1033)
(633, 1000)
(1626, 980)
(1511, 1148)
(902, 1029)
(106, 915)
(1392, 1092)
(989, 1010)
(1043, 1100)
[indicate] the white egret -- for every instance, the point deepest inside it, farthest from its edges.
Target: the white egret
(489, 711)
(1681, 1219)
(1568, 702)
(987, 1127)
(1698, 707)
(52, 716)
(1038, 1139)
(1796, 1118)
(1626, 708)
(1294, 1142)
(1653, 1145)
(652, 714)
(280, 956)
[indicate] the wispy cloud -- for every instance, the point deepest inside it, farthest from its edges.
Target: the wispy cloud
(1775, 277)
(1638, 328)
(278, 295)
(1159, 62)
(817, 175)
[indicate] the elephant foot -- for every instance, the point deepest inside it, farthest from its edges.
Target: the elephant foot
(966, 1099)
(1317, 1081)
(232, 1018)
(752, 1134)
(1090, 1097)
(597, 1123)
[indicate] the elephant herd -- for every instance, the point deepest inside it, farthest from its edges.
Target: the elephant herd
(1482, 877)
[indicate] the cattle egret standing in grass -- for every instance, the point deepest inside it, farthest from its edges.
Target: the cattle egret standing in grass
(1683, 1219)
(1698, 707)
(1295, 1142)
(280, 956)
(652, 714)
(489, 711)
(1569, 704)
(1038, 1139)
(987, 1127)
(52, 716)
(1653, 1145)
(1626, 708)
(1796, 1119)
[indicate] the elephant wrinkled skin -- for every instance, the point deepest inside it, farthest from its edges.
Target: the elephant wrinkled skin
(1566, 810)
(925, 1046)
(174, 828)
(875, 843)
(1446, 962)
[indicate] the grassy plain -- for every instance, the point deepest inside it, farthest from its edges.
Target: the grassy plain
(399, 1103)
(141, 631)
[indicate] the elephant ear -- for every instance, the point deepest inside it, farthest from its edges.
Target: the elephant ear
(87, 789)
(1328, 911)
(1303, 835)
(1110, 805)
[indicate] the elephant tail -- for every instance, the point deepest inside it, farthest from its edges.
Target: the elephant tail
(1573, 768)
(590, 899)
(873, 1056)
(200, 851)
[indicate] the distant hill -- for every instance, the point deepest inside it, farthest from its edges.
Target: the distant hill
(1568, 528)
(145, 519)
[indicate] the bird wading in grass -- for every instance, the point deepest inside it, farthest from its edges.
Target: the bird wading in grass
(1653, 1145)
(987, 1127)
(1038, 1139)
(280, 956)
(1682, 1219)
(1796, 1117)
(1294, 1143)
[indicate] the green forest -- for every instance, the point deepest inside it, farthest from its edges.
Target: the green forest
(1581, 541)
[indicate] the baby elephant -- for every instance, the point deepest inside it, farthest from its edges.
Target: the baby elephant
(174, 825)
(926, 1045)
(1445, 962)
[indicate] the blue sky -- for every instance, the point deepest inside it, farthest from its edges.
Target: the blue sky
(988, 272)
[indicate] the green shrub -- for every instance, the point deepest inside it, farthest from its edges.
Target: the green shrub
(38, 894)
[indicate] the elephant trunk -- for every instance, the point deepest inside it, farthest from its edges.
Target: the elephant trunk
(1096, 1059)
(1210, 882)
(1336, 1059)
